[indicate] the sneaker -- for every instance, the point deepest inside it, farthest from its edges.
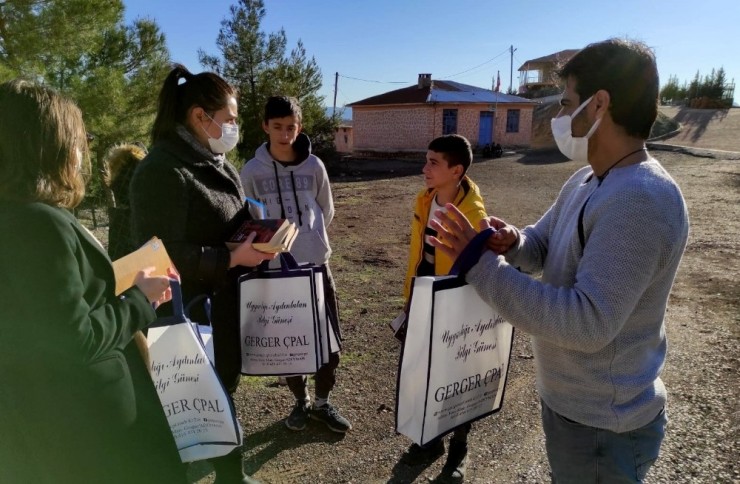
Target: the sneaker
(423, 454)
(298, 417)
(329, 415)
(457, 461)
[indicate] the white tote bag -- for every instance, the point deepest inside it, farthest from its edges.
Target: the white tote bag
(195, 402)
(455, 358)
(328, 323)
(280, 332)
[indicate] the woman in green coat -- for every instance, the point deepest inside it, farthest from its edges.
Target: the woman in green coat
(72, 408)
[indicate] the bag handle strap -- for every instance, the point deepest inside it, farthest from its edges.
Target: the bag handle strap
(178, 310)
(287, 263)
(471, 253)
(206, 305)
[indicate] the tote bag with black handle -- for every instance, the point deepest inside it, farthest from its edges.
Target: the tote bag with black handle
(455, 359)
(198, 408)
(280, 333)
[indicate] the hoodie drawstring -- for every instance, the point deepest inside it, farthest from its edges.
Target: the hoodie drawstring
(280, 195)
(295, 197)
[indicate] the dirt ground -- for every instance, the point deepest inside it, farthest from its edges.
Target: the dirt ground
(370, 238)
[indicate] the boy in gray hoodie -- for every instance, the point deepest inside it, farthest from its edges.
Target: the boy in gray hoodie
(293, 184)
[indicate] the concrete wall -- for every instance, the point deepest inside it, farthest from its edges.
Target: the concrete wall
(343, 141)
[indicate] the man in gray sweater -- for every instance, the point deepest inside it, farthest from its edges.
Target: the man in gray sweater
(608, 250)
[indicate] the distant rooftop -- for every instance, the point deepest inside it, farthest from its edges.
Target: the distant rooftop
(433, 91)
(562, 56)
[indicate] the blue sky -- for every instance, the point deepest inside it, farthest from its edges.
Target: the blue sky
(389, 42)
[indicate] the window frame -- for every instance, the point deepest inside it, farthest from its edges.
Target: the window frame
(513, 117)
(449, 127)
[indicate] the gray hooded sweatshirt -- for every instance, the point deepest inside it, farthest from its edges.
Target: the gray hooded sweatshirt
(278, 187)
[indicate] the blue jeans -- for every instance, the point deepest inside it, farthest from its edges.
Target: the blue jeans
(582, 454)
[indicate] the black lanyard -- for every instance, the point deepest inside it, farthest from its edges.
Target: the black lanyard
(581, 234)
(280, 195)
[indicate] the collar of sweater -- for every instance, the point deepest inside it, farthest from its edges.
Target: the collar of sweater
(183, 132)
(465, 188)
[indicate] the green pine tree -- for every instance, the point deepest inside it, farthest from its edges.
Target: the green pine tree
(83, 49)
(257, 63)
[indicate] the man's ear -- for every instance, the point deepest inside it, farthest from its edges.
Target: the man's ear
(601, 103)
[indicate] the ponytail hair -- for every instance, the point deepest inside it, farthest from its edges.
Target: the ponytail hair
(183, 90)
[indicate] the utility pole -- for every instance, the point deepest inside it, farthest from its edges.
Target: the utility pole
(511, 69)
(336, 83)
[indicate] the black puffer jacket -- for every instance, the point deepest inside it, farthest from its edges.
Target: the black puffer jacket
(190, 201)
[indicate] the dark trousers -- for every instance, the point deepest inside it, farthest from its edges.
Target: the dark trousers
(325, 378)
(460, 434)
(579, 453)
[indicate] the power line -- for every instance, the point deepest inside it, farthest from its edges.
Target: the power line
(370, 80)
(443, 77)
(479, 65)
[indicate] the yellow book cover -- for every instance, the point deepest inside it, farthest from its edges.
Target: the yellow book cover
(151, 254)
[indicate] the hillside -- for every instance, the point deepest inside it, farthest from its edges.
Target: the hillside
(700, 128)
(716, 129)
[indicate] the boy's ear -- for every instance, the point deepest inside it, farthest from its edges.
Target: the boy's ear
(265, 127)
(458, 170)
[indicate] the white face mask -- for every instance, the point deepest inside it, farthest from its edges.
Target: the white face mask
(575, 148)
(228, 140)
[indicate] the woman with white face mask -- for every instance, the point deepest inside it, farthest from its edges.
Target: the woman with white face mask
(188, 194)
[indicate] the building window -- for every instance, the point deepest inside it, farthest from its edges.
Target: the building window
(512, 120)
(449, 121)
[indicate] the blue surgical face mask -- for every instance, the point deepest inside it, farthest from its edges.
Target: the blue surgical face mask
(575, 148)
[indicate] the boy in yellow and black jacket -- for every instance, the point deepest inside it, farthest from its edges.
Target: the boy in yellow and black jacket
(447, 161)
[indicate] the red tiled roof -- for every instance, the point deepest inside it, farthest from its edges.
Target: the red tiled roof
(406, 95)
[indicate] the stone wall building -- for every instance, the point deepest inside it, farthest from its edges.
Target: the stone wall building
(343, 137)
(407, 119)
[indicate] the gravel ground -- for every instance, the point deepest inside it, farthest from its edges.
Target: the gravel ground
(369, 237)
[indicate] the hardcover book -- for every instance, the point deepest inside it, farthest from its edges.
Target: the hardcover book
(273, 235)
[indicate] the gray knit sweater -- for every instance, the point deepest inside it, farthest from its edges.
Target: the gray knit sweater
(596, 316)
